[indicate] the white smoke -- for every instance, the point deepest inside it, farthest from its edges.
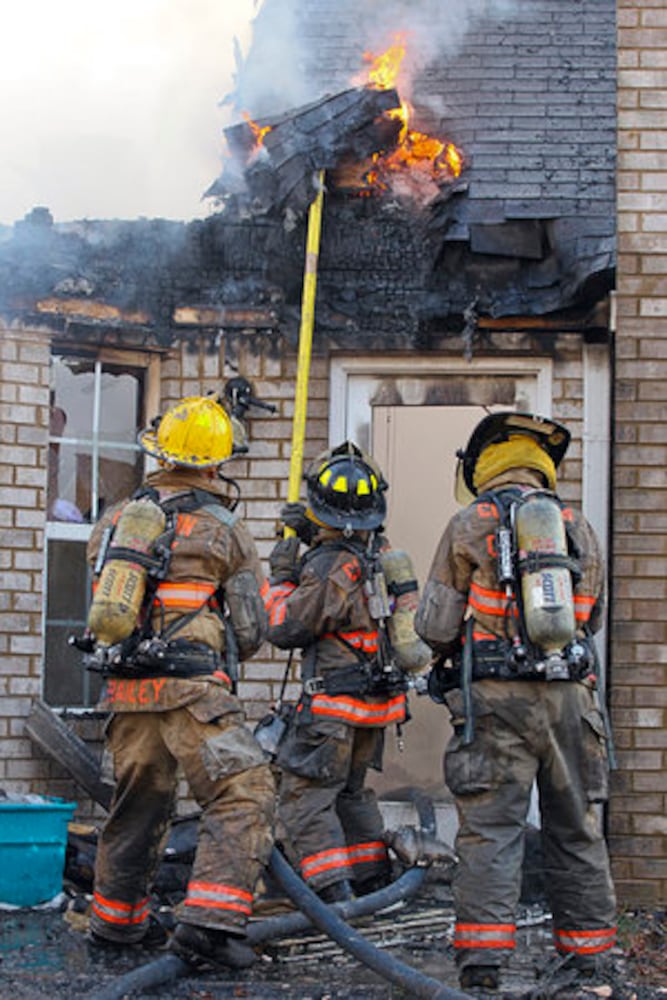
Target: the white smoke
(287, 64)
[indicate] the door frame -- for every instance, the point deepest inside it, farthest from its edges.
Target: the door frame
(595, 433)
(344, 367)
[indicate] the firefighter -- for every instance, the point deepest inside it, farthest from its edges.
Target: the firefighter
(172, 704)
(519, 713)
(320, 603)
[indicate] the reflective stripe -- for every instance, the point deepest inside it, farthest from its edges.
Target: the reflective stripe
(489, 602)
(483, 637)
(114, 911)
(361, 713)
(484, 936)
(274, 602)
(222, 676)
(585, 942)
(583, 605)
(183, 595)
(361, 854)
(343, 858)
(336, 858)
(494, 602)
(366, 642)
(216, 896)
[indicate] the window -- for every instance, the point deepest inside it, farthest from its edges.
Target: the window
(99, 402)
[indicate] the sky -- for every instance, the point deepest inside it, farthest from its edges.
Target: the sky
(111, 109)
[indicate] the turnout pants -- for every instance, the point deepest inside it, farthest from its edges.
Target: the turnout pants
(550, 732)
(232, 784)
(333, 825)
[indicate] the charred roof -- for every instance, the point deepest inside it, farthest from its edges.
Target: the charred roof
(525, 89)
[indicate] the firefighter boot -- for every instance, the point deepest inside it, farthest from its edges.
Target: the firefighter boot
(206, 948)
(336, 892)
(380, 880)
(486, 977)
(154, 936)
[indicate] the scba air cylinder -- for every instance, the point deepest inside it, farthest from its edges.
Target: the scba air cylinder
(410, 652)
(546, 590)
(122, 584)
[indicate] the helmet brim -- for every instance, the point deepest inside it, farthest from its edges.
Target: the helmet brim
(148, 442)
(341, 520)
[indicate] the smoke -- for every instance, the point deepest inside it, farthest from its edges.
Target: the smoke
(300, 52)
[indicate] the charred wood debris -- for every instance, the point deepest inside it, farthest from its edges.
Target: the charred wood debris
(395, 270)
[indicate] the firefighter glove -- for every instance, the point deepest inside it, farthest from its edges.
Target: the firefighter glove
(284, 561)
(442, 679)
(293, 515)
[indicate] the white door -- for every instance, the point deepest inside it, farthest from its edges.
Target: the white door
(415, 446)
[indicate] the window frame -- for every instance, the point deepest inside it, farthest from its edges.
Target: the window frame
(150, 362)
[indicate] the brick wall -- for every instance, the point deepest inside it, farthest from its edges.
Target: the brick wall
(271, 368)
(190, 369)
(24, 425)
(638, 817)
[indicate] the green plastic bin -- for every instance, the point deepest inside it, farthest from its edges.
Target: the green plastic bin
(33, 839)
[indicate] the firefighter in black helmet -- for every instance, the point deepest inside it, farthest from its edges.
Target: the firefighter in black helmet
(320, 604)
(521, 712)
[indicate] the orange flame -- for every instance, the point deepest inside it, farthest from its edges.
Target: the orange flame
(258, 132)
(414, 150)
(386, 67)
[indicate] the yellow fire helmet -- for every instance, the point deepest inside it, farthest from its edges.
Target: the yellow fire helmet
(196, 433)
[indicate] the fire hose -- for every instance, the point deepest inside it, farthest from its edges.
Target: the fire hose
(328, 919)
(170, 967)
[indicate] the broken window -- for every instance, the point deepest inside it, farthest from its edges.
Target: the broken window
(98, 405)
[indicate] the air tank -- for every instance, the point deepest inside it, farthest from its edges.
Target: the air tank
(546, 591)
(410, 652)
(120, 590)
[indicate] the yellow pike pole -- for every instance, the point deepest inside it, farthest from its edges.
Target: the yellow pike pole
(305, 344)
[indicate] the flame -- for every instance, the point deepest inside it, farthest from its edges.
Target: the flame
(414, 150)
(258, 132)
(386, 67)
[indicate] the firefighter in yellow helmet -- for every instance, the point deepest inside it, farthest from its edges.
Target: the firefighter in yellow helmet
(352, 692)
(513, 597)
(170, 692)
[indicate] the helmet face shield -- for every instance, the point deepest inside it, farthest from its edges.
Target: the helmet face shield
(196, 433)
(346, 489)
